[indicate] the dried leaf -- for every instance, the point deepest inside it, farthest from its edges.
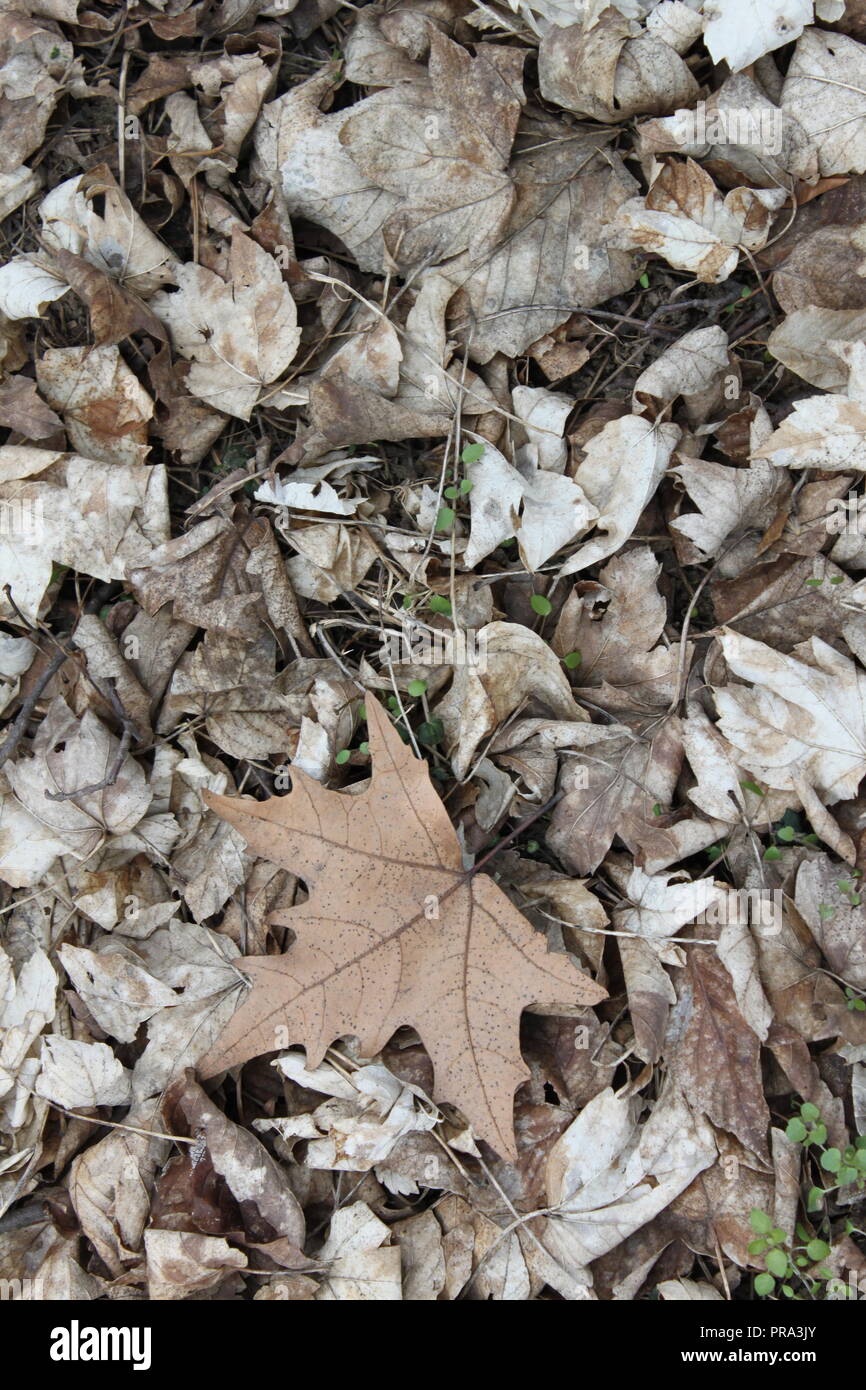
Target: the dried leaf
(240, 335)
(475, 1051)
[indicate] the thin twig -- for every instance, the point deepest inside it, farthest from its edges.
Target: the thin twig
(13, 738)
(513, 834)
(129, 731)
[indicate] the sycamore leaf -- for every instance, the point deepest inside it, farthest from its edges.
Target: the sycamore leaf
(182, 1263)
(608, 1175)
(95, 517)
(685, 219)
(120, 994)
(299, 149)
(686, 1290)
(372, 954)
(802, 723)
(22, 409)
(116, 240)
(543, 509)
(624, 465)
(730, 501)
(80, 1075)
(26, 288)
(555, 253)
(611, 786)
(611, 70)
(826, 432)
(825, 90)
(441, 144)
(837, 924)
(805, 342)
(239, 336)
(361, 1268)
(519, 665)
(693, 367)
(104, 407)
(614, 625)
(738, 32)
(658, 905)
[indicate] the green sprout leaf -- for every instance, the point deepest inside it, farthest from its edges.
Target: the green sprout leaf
(817, 1249)
(777, 1263)
(472, 453)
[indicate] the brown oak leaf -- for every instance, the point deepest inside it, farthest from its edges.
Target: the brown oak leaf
(395, 932)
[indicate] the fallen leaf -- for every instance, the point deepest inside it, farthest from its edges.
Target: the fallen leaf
(359, 1266)
(688, 1290)
(608, 1176)
(119, 994)
(544, 510)
(105, 410)
(413, 141)
(801, 722)
(623, 466)
(96, 517)
(26, 288)
(823, 60)
(738, 32)
(837, 924)
(555, 252)
(715, 1056)
(612, 783)
(802, 342)
(614, 625)
(81, 1075)
(110, 1185)
(115, 241)
(518, 665)
(686, 220)
(238, 1166)
(610, 72)
(476, 1054)
(240, 335)
(181, 1263)
(22, 409)
(730, 501)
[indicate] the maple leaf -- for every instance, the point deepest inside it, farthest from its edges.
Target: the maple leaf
(371, 955)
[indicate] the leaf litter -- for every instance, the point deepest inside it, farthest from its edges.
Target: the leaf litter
(433, 601)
